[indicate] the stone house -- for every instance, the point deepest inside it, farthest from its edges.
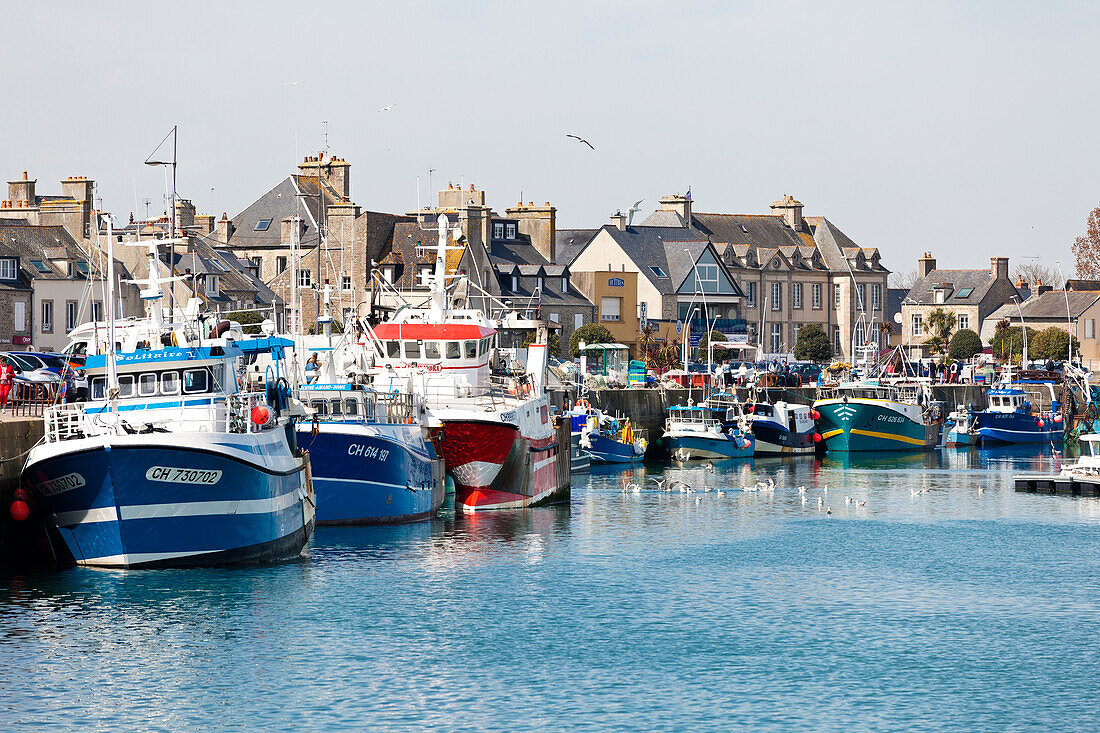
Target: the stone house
(1076, 311)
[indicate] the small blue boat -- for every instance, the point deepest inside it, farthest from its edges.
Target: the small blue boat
(607, 439)
(708, 430)
(959, 430)
(372, 459)
(1009, 418)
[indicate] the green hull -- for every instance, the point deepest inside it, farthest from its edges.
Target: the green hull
(870, 425)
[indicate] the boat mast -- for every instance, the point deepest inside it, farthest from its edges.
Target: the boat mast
(112, 366)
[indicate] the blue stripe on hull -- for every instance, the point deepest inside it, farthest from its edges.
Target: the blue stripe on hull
(608, 450)
(1016, 427)
(119, 513)
(362, 478)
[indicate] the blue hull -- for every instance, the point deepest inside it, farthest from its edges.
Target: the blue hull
(715, 446)
(362, 476)
(160, 506)
(774, 439)
(1016, 427)
(608, 450)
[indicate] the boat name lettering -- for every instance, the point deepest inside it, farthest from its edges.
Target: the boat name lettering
(368, 451)
(53, 486)
(509, 416)
(172, 475)
(890, 418)
(435, 367)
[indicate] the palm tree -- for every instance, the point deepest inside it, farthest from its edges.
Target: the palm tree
(941, 323)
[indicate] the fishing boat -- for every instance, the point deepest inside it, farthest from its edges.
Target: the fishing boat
(715, 428)
(959, 431)
(496, 437)
(782, 428)
(868, 416)
(169, 463)
(1009, 418)
(608, 439)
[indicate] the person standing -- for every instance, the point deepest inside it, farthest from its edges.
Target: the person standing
(7, 376)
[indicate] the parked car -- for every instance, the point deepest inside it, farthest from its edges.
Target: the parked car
(76, 384)
(29, 372)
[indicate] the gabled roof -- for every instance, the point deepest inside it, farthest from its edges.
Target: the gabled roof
(1052, 304)
(838, 251)
(568, 243)
(281, 202)
(402, 253)
(650, 247)
(958, 282)
(762, 230)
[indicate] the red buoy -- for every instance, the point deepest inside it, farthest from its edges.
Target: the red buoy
(20, 494)
(1041, 423)
(815, 415)
(260, 415)
(817, 437)
(20, 510)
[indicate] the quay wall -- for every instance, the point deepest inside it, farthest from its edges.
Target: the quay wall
(17, 436)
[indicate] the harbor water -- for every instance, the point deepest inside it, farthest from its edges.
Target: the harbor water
(922, 603)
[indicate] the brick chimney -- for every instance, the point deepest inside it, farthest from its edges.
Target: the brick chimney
(225, 229)
(185, 214)
(539, 223)
(619, 220)
(998, 268)
(339, 176)
(1040, 288)
(680, 204)
(22, 191)
(791, 211)
(926, 264)
(204, 223)
(286, 233)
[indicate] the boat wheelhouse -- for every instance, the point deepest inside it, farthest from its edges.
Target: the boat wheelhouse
(708, 430)
(781, 428)
(1010, 418)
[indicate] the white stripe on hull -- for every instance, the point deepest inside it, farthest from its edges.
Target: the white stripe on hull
(181, 509)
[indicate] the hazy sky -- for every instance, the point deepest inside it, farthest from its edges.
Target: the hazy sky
(967, 129)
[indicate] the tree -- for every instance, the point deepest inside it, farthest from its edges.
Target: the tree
(554, 346)
(903, 279)
(812, 344)
(1009, 341)
(965, 344)
(1086, 248)
(706, 339)
(1034, 273)
(1050, 343)
(590, 333)
(250, 320)
(941, 323)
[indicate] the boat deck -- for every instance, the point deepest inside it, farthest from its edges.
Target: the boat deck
(1056, 483)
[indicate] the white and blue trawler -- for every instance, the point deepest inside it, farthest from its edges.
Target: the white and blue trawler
(717, 428)
(169, 464)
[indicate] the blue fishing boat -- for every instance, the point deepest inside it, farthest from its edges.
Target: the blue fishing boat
(713, 429)
(959, 430)
(1009, 418)
(782, 428)
(607, 439)
(372, 459)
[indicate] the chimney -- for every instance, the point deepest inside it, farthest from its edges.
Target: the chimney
(998, 268)
(204, 223)
(225, 229)
(619, 220)
(791, 211)
(185, 214)
(286, 233)
(22, 190)
(540, 224)
(680, 204)
(1040, 288)
(926, 264)
(339, 177)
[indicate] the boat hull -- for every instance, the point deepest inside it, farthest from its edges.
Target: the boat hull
(373, 474)
(579, 460)
(149, 505)
(860, 425)
(608, 450)
(1016, 427)
(772, 439)
(703, 445)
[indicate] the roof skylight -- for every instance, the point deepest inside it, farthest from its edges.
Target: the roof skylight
(262, 225)
(964, 293)
(658, 271)
(40, 265)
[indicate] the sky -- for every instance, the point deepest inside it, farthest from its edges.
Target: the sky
(964, 129)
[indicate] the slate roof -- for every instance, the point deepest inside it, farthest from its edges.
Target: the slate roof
(568, 243)
(281, 202)
(403, 255)
(894, 298)
(649, 247)
(519, 257)
(979, 281)
(42, 243)
(1052, 304)
(202, 257)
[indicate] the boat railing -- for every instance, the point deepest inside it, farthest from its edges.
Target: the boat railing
(238, 415)
(64, 422)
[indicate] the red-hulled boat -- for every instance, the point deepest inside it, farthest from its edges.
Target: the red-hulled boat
(496, 436)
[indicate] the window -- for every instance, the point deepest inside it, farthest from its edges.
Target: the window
(515, 284)
(918, 323)
(964, 321)
(262, 225)
(40, 265)
(345, 282)
(510, 231)
(387, 274)
(70, 315)
(876, 297)
(7, 268)
(412, 350)
(169, 383)
(431, 350)
(578, 320)
(82, 267)
(305, 278)
(126, 385)
(498, 231)
(471, 349)
(941, 295)
(423, 276)
(750, 295)
(211, 284)
(796, 295)
(280, 265)
(658, 271)
(1090, 328)
(708, 278)
(97, 311)
(20, 316)
(836, 340)
(611, 309)
(795, 328)
(777, 296)
(47, 316)
(98, 388)
(836, 295)
(195, 381)
(862, 295)
(816, 295)
(351, 406)
(777, 338)
(393, 349)
(336, 407)
(147, 385)
(565, 284)
(542, 283)
(964, 293)
(454, 349)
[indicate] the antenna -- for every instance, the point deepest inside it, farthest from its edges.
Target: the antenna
(324, 139)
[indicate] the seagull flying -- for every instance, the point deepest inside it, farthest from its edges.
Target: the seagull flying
(387, 108)
(581, 139)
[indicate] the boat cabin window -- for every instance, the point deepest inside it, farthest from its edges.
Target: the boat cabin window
(169, 383)
(147, 385)
(393, 349)
(471, 349)
(320, 407)
(351, 406)
(1090, 447)
(126, 386)
(336, 407)
(431, 350)
(98, 388)
(763, 410)
(196, 380)
(454, 349)
(412, 350)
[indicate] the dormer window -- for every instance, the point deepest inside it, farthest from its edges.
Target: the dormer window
(423, 276)
(565, 283)
(515, 284)
(387, 274)
(510, 231)
(541, 283)
(211, 284)
(498, 231)
(8, 268)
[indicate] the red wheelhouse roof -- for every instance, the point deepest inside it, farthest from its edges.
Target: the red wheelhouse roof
(432, 331)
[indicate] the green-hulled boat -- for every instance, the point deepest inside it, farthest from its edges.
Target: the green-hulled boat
(860, 416)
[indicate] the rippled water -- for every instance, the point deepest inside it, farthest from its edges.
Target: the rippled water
(950, 609)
